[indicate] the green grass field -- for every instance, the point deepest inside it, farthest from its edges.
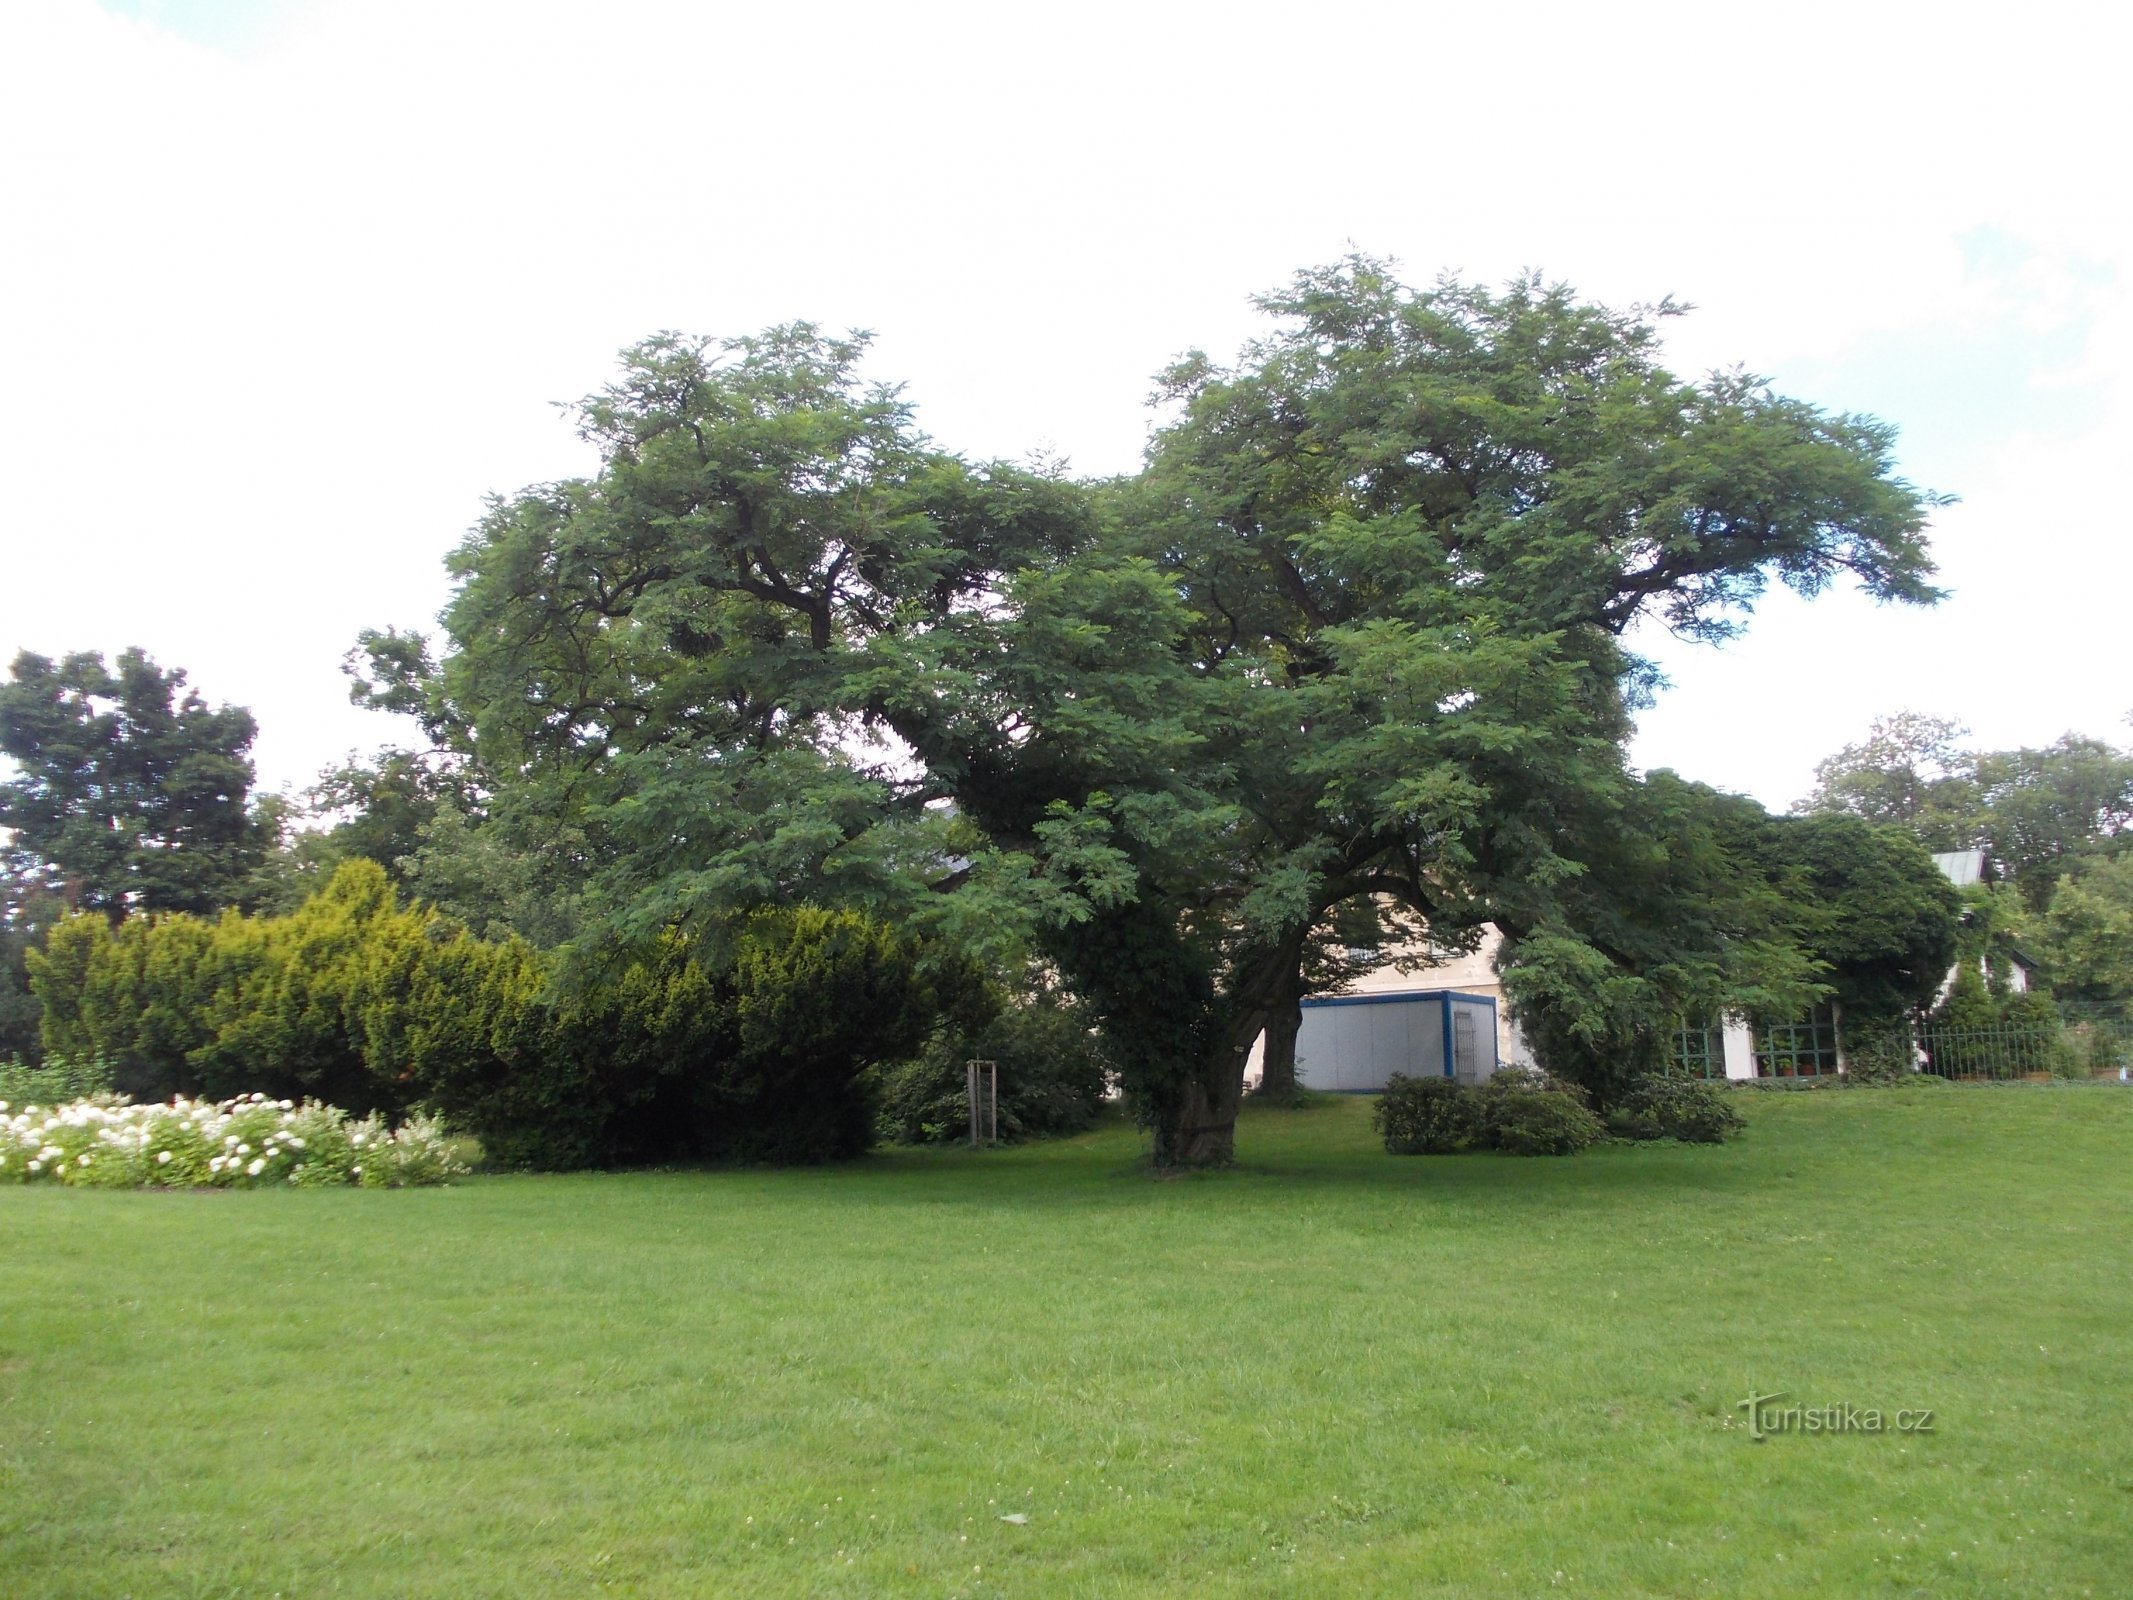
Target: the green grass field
(1326, 1372)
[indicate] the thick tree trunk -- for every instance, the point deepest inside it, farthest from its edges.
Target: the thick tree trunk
(1197, 1127)
(1283, 1023)
(1202, 1132)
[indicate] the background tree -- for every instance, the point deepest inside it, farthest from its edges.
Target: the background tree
(2047, 819)
(129, 790)
(2088, 935)
(1352, 639)
(28, 908)
(2043, 813)
(380, 810)
(1910, 770)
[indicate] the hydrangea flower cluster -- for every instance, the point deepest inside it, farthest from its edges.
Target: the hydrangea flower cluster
(246, 1143)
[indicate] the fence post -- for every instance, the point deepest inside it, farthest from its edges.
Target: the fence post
(981, 1085)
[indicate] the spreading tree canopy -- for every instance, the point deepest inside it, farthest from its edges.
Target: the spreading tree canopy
(1353, 638)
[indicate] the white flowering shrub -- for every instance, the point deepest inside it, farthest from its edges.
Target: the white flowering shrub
(246, 1143)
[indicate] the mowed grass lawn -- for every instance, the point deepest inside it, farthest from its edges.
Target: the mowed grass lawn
(1327, 1372)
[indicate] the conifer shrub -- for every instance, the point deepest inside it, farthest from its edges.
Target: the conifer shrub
(760, 1044)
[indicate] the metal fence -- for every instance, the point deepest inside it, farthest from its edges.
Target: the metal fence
(2082, 1050)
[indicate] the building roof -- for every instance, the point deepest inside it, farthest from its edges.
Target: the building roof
(1961, 867)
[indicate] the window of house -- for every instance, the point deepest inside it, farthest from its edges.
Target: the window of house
(1805, 1048)
(1700, 1050)
(1464, 1059)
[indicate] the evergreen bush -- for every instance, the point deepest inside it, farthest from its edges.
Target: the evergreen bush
(763, 1052)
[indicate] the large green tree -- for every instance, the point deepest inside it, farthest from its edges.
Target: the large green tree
(1353, 638)
(1412, 529)
(129, 789)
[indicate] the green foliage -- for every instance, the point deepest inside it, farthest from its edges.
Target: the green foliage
(1587, 1016)
(1995, 925)
(540, 1085)
(1880, 1057)
(506, 869)
(814, 999)
(2088, 934)
(2038, 814)
(1983, 1029)
(1525, 1112)
(2033, 1015)
(2102, 1047)
(129, 789)
(237, 1005)
(756, 1044)
(27, 911)
(1870, 907)
(760, 1050)
(2030, 1008)
(54, 1081)
(380, 810)
(1969, 1003)
(1521, 1111)
(1691, 1110)
(2046, 812)
(1053, 1075)
(1426, 1116)
(1353, 639)
(1678, 913)
(1910, 772)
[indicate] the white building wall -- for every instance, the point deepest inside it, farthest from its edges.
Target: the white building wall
(1739, 1042)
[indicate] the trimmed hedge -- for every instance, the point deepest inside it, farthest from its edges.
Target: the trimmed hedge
(763, 1051)
(1524, 1112)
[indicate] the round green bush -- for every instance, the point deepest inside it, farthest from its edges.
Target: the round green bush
(1689, 1109)
(1524, 1112)
(1426, 1116)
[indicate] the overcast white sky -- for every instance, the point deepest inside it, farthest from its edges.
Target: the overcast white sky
(286, 286)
